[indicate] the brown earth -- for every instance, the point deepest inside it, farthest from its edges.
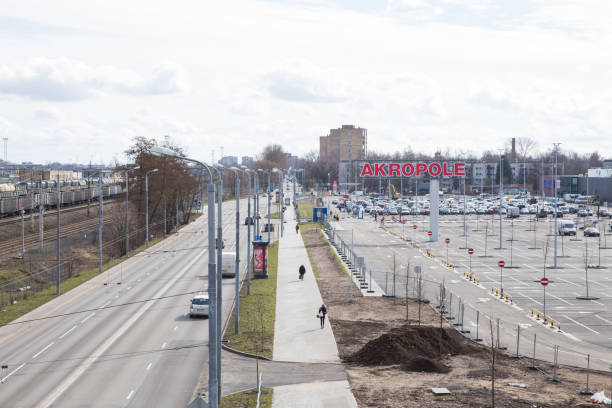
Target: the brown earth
(393, 361)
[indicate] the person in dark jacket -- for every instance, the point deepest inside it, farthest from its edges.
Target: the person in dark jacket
(322, 313)
(302, 272)
(297, 228)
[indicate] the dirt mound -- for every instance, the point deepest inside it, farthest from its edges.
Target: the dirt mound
(423, 364)
(407, 343)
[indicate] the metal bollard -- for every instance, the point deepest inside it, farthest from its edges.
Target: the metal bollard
(458, 322)
(499, 347)
(462, 316)
(533, 364)
(555, 364)
(518, 336)
(450, 307)
(477, 325)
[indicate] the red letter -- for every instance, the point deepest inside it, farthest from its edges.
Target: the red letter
(366, 170)
(394, 169)
(420, 168)
(379, 170)
(459, 169)
(408, 173)
(435, 169)
(445, 171)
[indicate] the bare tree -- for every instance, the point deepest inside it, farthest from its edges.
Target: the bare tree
(525, 146)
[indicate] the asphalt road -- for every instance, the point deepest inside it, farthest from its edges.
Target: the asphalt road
(113, 348)
(586, 325)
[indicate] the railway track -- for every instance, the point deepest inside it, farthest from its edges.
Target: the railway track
(48, 212)
(12, 247)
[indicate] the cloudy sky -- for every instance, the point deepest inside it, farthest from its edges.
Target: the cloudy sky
(79, 79)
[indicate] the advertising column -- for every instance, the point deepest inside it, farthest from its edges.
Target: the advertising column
(434, 198)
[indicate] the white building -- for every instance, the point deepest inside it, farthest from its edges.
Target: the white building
(600, 172)
(483, 172)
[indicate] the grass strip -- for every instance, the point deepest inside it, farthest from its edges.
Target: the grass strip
(248, 399)
(313, 225)
(24, 306)
(257, 313)
(274, 216)
(304, 228)
(305, 210)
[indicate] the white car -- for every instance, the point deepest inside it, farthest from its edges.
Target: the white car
(199, 305)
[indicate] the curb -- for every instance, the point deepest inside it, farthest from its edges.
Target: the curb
(244, 354)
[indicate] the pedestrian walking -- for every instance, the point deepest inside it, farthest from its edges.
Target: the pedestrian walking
(322, 313)
(302, 272)
(297, 228)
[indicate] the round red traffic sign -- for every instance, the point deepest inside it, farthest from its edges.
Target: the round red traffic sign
(501, 264)
(429, 233)
(544, 281)
(470, 251)
(447, 240)
(414, 226)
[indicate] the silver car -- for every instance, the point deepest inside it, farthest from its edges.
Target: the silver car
(199, 306)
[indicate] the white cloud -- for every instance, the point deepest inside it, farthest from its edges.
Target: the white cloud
(304, 82)
(69, 80)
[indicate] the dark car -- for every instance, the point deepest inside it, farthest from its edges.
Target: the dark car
(591, 232)
(542, 214)
(269, 227)
(249, 221)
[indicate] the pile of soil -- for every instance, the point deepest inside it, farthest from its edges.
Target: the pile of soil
(416, 348)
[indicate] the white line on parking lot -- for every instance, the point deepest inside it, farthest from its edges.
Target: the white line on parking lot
(561, 299)
(601, 318)
(572, 337)
(149, 366)
(566, 281)
(66, 333)
(12, 372)
(530, 298)
(580, 324)
(43, 350)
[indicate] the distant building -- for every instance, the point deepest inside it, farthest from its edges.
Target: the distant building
(345, 143)
(229, 161)
(291, 160)
(600, 172)
(247, 161)
(607, 164)
(483, 173)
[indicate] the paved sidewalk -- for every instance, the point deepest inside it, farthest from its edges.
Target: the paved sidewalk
(297, 333)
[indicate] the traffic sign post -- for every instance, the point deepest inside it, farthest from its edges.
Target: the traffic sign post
(414, 228)
(447, 241)
(429, 233)
(544, 281)
(470, 252)
(501, 265)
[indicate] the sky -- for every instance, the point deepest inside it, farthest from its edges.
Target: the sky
(80, 79)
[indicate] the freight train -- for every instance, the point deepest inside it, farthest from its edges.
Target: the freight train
(28, 196)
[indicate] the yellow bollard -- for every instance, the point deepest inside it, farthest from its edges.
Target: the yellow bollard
(558, 327)
(511, 300)
(538, 316)
(531, 312)
(552, 324)
(545, 319)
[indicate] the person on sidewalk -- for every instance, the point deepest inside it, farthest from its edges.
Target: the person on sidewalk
(322, 313)
(302, 272)
(297, 228)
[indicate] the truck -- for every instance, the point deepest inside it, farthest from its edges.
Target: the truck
(566, 227)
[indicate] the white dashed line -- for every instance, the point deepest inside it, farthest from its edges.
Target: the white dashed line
(130, 394)
(149, 366)
(88, 317)
(163, 345)
(66, 333)
(43, 350)
(12, 372)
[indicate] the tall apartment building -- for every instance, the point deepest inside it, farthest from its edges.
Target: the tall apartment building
(345, 143)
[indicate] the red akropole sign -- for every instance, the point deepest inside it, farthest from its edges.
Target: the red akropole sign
(544, 281)
(501, 264)
(395, 169)
(470, 251)
(429, 233)
(447, 240)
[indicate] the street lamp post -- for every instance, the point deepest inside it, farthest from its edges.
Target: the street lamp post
(147, 206)
(555, 201)
(501, 187)
(250, 221)
(127, 217)
(280, 197)
(237, 263)
(214, 365)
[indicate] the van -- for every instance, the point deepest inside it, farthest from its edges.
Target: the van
(513, 212)
(566, 227)
(228, 265)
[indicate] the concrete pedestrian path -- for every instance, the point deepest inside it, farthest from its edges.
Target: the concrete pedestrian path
(298, 336)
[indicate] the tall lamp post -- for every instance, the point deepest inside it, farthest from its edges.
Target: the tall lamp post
(555, 201)
(501, 188)
(249, 223)
(147, 205)
(214, 365)
(127, 216)
(237, 263)
(280, 197)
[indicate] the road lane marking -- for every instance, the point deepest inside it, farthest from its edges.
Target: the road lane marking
(572, 337)
(88, 317)
(163, 345)
(43, 350)
(149, 366)
(66, 333)
(130, 394)
(580, 324)
(104, 305)
(88, 361)
(12, 372)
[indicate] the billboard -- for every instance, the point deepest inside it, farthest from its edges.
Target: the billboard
(408, 169)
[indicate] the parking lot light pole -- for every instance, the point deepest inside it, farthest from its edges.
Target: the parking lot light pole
(147, 206)
(213, 363)
(127, 217)
(501, 188)
(556, 205)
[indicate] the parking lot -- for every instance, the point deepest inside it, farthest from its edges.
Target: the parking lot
(524, 244)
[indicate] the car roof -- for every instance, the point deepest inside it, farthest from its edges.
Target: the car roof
(201, 295)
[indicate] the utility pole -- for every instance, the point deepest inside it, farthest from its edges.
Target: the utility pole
(555, 201)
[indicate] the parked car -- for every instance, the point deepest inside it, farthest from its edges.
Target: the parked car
(268, 227)
(591, 232)
(249, 221)
(199, 305)
(582, 213)
(542, 214)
